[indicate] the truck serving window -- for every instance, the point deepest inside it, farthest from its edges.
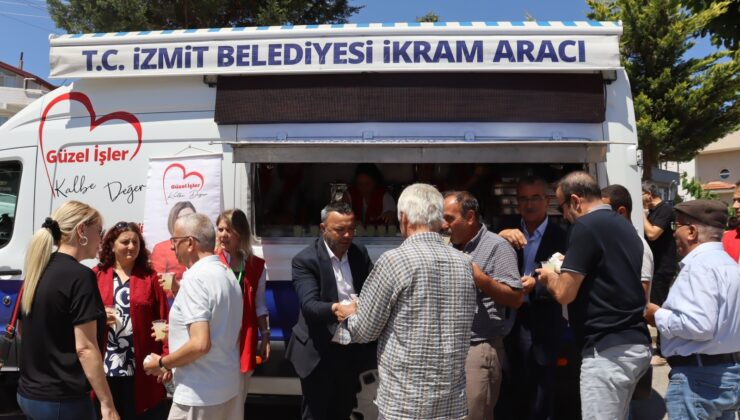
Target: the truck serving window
(288, 197)
(10, 181)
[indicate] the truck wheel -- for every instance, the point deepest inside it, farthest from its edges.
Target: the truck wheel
(366, 408)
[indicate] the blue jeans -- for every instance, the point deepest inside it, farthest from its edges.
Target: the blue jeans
(608, 379)
(79, 409)
(703, 392)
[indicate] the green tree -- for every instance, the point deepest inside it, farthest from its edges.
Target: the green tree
(694, 189)
(79, 16)
(429, 17)
(681, 104)
(725, 28)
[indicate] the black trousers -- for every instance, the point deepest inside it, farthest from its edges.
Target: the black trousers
(122, 389)
(330, 391)
(527, 388)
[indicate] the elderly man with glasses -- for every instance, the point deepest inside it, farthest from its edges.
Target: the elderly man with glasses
(204, 325)
(700, 320)
(419, 302)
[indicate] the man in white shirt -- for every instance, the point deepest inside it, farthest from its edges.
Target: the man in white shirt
(328, 272)
(699, 322)
(204, 325)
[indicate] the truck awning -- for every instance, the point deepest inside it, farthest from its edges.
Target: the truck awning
(553, 46)
(405, 151)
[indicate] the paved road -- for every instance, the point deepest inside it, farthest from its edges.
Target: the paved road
(650, 409)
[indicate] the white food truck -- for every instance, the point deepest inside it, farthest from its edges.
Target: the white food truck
(289, 112)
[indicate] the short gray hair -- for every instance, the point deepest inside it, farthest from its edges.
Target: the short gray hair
(337, 206)
(200, 227)
(423, 205)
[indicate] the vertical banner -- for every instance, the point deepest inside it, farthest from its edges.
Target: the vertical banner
(176, 187)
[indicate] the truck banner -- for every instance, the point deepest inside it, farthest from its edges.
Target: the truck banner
(140, 56)
(175, 187)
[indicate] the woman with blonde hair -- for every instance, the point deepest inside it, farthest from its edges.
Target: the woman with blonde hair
(234, 247)
(61, 319)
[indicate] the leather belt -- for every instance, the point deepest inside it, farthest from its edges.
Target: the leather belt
(704, 359)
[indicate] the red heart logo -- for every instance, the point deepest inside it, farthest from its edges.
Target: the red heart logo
(185, 175)
(94, 123)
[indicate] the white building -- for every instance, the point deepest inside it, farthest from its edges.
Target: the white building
(18, 88)
(716, 167)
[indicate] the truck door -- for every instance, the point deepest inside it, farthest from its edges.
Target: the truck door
(17, 179)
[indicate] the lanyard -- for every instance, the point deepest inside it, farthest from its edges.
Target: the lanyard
(241, 268)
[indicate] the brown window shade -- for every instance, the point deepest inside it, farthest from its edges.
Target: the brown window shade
(411, 97)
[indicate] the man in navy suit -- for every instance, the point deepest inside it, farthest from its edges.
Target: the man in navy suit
(533, 345)
(325, 274)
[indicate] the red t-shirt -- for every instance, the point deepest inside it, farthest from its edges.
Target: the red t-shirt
(731, 242)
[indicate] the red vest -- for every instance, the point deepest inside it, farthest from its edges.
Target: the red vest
(374, 206)
(731, 241)
(148, 303)
(253, 268)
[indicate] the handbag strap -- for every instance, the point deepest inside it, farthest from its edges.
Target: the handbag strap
(10, 328)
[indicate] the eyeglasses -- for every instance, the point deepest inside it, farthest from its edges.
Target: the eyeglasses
(124, 225)
(174, 240)
(561, 207)
(676, 226)
(92, 222)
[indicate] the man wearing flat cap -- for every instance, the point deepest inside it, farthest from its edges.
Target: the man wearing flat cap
(700, 320)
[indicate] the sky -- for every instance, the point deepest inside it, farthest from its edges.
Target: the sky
(25, 25)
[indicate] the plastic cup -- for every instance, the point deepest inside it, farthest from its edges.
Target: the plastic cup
(167, 281)
(159, 326)
(382, 230)
(392, 230)
(313, 231)
(297, 231)
(548, 265)
(111, 310)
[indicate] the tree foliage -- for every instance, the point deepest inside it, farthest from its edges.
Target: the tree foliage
(694, 189)
(81, 16)
(681, 104)
(725, 28)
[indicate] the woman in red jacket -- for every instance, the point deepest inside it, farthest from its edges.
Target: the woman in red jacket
(234, 247)
(133, 299)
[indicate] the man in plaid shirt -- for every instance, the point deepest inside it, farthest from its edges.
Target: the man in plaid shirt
(419, 302)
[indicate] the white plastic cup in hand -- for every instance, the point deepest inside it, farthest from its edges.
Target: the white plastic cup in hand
(167, 279)
(159, 326)
(111, 310)
(547, 265)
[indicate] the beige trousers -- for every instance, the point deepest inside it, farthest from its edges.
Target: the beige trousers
(231, 409)
(483, 378)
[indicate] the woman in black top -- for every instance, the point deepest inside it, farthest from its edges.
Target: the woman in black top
(61, 318)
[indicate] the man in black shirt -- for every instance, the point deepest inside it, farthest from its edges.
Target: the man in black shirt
(657, 221)
(600, 282)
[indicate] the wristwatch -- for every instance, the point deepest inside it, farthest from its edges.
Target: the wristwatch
(162, 367)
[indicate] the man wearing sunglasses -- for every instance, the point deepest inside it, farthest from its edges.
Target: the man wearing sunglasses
(205, 320)
(700, 320)
(600, 282)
